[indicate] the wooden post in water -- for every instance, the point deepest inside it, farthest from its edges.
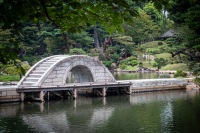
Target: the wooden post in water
(48, 96)
(75, 96)
(130, 91)
(104, 92)
(22, 96)
(41, 96)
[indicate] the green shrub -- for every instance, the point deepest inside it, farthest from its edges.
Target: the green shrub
(107, 63)
(123, 62)
(133, 62)
(153, 51)
(122, 66)
(93, 52)
(160, 43)
(26, 66)
(196, 71)
(12, 70)
(77, 51)
(140, 64)
(115, 58)
(159, 62)
(32, 59)
(130, 68)
(195, 68)
(131, 58)
(180, 73)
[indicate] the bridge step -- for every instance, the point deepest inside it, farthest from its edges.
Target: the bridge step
(52, 60)
(28, 83)
(35, 75)
(45, 65)
(32, 79)
(38, 72)
(49, 62)
(41, 68)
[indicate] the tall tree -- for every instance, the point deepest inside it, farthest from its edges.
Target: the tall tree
(142, 28)
(70, 15)
(187, 13)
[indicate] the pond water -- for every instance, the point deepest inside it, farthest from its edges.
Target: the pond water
(156, 112)
(127, 76)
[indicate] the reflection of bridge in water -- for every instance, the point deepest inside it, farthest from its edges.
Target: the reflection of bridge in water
(64, 75)
(78, 116)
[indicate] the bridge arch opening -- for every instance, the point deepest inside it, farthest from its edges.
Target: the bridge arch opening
(79, 74)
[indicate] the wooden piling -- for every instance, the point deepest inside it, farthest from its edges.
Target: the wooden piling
(75, 96)
(41, 96)
(22, 96)
(103, 91)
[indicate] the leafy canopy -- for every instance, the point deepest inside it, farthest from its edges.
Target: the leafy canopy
(70, 15)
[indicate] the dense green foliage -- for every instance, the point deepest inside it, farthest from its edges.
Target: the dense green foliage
(180, 73)
(159, 62)
(120, 33)
(186, 15)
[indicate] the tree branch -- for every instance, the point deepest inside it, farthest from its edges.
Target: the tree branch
(47, 14)
(185, 52)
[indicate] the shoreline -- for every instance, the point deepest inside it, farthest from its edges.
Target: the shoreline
(152, 71)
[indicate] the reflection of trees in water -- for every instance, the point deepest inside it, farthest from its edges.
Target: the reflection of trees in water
(154, 112)
(156, 96)
(129, 76)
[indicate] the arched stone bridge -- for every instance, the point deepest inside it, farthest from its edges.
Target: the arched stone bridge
(63, 69)
(69, 74)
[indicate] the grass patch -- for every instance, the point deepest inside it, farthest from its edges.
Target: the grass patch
(148, 64)
(165, 56)
(6, 78)
(154, 47)
(179, 66)
(153, 44)
(128, 67)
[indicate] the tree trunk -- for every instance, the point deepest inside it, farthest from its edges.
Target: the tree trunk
(179, 57)
(106, 43)
(67, 47)
(96, 43)
(96, 40)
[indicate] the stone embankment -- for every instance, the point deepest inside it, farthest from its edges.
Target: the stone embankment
(146, 85)
(9, 94)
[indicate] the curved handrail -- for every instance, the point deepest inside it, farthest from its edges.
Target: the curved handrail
(38, 83)
(32, 68)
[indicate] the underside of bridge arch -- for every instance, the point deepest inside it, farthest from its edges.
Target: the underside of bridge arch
(79, 74)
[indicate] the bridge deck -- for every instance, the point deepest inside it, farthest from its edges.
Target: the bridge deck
(72, 86)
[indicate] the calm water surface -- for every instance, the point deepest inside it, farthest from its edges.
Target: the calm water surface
(157, 112)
